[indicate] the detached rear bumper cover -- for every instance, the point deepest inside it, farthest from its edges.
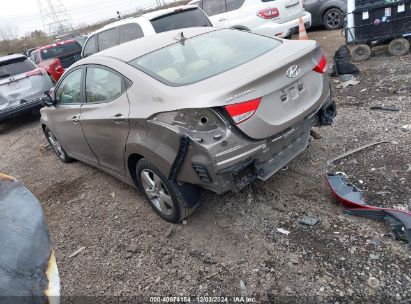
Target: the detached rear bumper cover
(23, 107)
(351, 196)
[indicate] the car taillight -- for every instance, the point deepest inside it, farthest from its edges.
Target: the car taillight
(36, 72)
(269, 13)
(242, 111)
(321, 67)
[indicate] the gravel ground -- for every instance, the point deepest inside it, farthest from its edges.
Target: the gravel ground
(231, 246)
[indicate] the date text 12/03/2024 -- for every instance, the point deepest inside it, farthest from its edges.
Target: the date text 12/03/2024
(199, 299)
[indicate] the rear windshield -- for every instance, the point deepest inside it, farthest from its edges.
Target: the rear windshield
(180, 19)
(203, 56)
(16, 66)
(60, 50)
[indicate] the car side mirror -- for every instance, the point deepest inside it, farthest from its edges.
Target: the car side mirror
(46, 100)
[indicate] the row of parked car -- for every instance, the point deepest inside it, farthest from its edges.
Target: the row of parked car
(22, 82)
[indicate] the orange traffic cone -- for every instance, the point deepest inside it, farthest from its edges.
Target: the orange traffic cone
(302, 34)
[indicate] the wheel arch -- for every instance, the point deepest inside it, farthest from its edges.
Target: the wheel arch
(132, 161)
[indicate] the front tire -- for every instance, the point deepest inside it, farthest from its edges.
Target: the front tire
(169, 200)
(333, 19)
(56, 146)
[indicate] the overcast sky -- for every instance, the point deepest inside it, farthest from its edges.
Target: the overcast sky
(25, 15)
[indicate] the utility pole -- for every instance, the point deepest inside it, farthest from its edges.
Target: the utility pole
(54, 16)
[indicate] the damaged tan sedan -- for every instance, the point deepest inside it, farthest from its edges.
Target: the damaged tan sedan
(203, 108)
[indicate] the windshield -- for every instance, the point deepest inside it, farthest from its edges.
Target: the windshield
(193, 17)
(16, 66)
(60, 50)
(203, 56)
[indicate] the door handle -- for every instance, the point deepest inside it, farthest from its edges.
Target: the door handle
(222, 19)
(75, 119)
(118, 118)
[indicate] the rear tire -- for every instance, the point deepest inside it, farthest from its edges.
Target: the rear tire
(171, 201)
(56, 146)
(333, 19)
(399, 47)
(360, 52)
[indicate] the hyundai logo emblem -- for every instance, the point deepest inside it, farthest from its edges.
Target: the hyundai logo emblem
(293, 71)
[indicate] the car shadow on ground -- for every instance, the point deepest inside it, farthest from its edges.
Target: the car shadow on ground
(19, 122)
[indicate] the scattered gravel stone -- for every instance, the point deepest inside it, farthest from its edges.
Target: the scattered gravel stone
(373, 282)
(309, 220)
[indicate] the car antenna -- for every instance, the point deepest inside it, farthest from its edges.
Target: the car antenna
(180, 38)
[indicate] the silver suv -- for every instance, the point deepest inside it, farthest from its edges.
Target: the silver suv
(22, 84)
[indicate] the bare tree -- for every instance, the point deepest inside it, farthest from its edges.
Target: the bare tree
(8, 32)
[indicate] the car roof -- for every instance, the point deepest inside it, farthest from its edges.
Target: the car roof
(57, 44)
(139, 47)
(143, 18)
(12, 57)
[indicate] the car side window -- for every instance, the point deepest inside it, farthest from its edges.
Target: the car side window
(213, 7)
(103, 85)
(233, 5)
(69, 90)
(91, 47)
(130, 32)
(108, 39)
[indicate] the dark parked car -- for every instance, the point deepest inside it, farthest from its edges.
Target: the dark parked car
(328, 13)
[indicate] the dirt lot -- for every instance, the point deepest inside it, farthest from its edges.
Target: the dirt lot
(231, 245)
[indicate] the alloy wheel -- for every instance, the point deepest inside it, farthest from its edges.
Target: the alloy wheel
(157, 192)
(55, 145)
(333, 19)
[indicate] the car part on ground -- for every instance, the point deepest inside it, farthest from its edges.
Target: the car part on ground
(22, 84)
(351, 196)
(274, 19)
(57, 57)
(146, 25)
(399, 222)
(28, 268)
(329, 13)
(186, 109)
(329, 162)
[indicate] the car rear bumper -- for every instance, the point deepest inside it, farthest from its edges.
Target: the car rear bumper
(265, 158)
(282, 30)
(23, 107)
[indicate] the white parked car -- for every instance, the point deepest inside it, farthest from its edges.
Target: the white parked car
(148, 24)
(276, 18)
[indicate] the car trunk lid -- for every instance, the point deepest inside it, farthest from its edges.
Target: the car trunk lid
(280, 97)
(288, 10)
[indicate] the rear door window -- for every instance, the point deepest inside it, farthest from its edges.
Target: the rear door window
(103, 85)
(15, 67)
(91, 47)
(60, 50)
(108, 39)
(180, 19)
(130, 32)
(214, 7)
